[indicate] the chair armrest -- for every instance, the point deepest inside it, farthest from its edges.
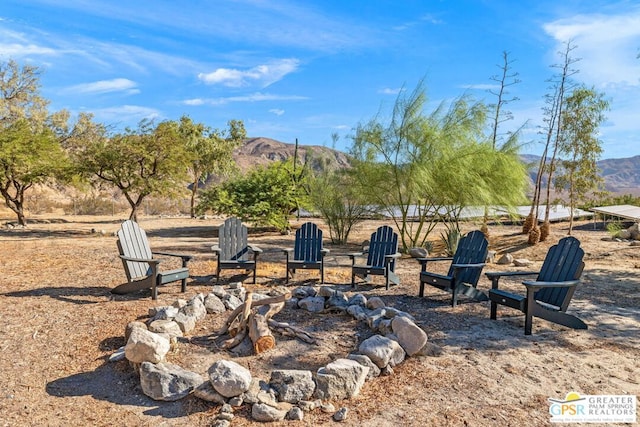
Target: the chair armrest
(287, 251)
(353, 256)
(183, 256)
(388, 259)
(323, 252)
(216, 249)
(423, 261)
(492, 274)
(150, 261)
(460, 266)
(255, 249)
(495, 276)
(532, 284)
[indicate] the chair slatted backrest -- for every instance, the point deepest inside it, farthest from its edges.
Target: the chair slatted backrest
(563, 262)
(232, 239)
(308, 243)
(384, 241)
(133, 243)
(472, 249)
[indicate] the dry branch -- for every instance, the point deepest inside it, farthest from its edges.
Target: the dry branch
(241, 331)
(254, 303)
(292, 331)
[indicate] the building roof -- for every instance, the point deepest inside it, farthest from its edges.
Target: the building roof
(620, 211)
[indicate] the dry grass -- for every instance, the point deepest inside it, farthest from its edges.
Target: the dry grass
(60, 324)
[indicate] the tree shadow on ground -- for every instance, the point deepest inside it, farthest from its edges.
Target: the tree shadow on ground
(74, 295)
(101, 384)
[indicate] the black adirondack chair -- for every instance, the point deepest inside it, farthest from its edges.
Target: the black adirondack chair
(549, 295)
(232, 250)
(140, 264)
(382, 254)
(307, 252)
(463, 275)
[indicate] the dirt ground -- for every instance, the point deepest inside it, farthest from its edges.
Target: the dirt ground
(60, 324)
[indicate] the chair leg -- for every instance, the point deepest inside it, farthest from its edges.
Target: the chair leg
(254, 274)
(421, 292)
(528, 315)
(454, 296)
(353, 279)
(184, 285)
(494, 310)
(154, 289)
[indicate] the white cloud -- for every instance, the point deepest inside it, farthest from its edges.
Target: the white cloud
(105, 86)
(390, 91)
(194, 101)
(607, 46)
(277, 111)
(20, 50)
(261, 75)
(256, 97)
(127, 114)
(481, 86)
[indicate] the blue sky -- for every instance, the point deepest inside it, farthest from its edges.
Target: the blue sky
(308, 69)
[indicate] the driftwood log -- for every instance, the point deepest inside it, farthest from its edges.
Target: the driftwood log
(254, 303)
(252, 317)
(292, 331)
(259, 331)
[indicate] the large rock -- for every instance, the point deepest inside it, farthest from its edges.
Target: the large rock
(195, 308)
(229, 378)
(410, 336)
(374, 303)
(374, 371)
(168, 382)
(292, 385)
(312, 304)
(418, 252)
(146, 346)
(168, 327)
(130, 326)
(505, 259)
(265, 413)
(186, 322)
(340, 379)
(206, 392)
(214, 305)
(382, 351)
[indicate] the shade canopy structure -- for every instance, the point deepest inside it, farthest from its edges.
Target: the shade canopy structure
(619, 211)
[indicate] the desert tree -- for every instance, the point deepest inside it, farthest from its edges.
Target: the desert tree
(578, 141)
(210, 151)
(560, 87)
(265, 195)
(32, 140)
(504, 80)
(419, 167)
(334, 196)
(148, 160)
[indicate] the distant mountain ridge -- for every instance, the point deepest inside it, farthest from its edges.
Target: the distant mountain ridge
(620, 175)
(262, 151)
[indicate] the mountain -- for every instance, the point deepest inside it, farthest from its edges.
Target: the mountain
(262, 151)
(621, 176)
